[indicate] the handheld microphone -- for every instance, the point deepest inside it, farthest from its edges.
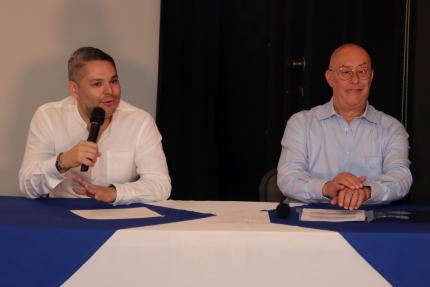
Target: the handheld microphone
(97, 119)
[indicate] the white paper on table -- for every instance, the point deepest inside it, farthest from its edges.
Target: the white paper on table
(329, 215)
(117, 213)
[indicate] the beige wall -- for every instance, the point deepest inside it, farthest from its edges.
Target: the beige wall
(37, 38)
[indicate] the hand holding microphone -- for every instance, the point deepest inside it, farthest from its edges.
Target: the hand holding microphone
(85, 153)
(97, 119)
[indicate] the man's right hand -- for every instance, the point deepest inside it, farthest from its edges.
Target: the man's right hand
(85, 152)
(341, 181)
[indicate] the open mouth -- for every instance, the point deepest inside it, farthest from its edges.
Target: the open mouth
(108, 102)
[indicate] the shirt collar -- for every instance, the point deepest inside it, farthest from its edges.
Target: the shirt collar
(370, 114)
(328, 111)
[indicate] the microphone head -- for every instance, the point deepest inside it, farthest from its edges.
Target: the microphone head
(97, 116)
(283, 209)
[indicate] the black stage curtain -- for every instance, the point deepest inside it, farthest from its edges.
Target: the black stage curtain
(419, 105)
(227, 86)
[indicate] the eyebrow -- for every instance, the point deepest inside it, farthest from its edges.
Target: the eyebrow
(100, 79)
(347, 66)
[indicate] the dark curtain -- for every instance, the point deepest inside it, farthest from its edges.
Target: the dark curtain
(227, 84)
(213, 105)
(419, 105)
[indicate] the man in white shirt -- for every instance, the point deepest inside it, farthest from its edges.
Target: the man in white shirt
(126, 165)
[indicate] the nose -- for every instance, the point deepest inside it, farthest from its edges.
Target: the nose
(108, 89)
(354, 77)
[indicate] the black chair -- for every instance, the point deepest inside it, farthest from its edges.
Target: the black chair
(269, 190)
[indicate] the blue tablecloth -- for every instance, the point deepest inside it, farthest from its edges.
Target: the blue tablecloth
(42, 243)
(398, 249)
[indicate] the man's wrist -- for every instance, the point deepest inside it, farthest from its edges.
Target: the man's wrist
(324, 190)
(112, 187)
(368, 190)
(58, 164)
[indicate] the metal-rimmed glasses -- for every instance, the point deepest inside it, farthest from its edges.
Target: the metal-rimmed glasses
(346, 73)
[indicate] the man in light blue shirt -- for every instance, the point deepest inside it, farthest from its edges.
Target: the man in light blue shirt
(345, 151)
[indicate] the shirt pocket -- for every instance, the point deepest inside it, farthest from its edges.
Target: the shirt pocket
(120, 166)
(373, 163)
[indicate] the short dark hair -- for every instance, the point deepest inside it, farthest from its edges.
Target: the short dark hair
(83, 55)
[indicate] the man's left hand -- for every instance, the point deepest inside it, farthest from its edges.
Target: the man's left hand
(351, 198)
(100, 193)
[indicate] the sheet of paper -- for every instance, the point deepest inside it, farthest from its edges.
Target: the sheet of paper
(329, 215)
(117, 213)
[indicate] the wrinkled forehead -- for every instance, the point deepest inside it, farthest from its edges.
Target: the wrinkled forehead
(350, 56)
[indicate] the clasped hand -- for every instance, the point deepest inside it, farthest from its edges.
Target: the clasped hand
(347, 190)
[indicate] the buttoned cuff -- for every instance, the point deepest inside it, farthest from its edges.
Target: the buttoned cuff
(53, 176)
(376, 192)
(119, 195)
(315, 190)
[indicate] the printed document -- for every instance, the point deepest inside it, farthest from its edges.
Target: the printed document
(330, 215)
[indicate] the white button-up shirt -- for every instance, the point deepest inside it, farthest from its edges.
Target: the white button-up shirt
(132, 156)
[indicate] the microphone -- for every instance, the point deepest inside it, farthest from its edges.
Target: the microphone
(283, 209)
(97, 119)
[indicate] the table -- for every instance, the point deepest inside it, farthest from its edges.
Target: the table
(202, 243)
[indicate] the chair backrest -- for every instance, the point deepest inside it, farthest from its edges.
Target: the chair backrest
(269, 190)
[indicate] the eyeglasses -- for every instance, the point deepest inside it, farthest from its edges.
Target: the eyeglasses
(346, 73)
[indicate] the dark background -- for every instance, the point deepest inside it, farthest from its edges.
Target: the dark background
(227, 83)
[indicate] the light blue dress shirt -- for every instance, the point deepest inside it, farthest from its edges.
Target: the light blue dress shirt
(318, 144)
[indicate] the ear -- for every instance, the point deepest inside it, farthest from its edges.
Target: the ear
(73, 88)
(329, 77)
